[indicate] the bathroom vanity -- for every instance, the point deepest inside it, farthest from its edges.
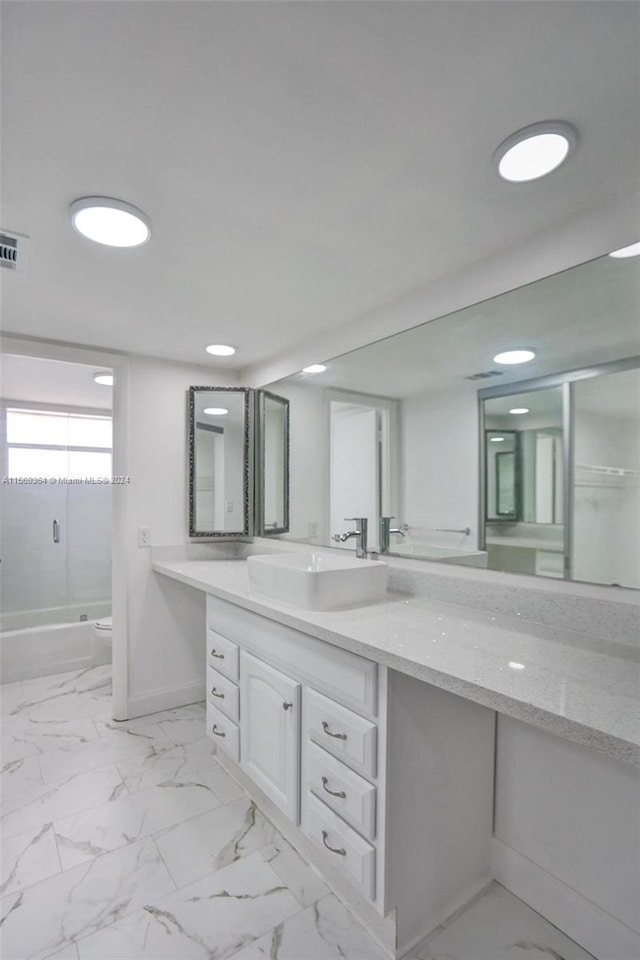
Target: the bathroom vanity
(369, 736)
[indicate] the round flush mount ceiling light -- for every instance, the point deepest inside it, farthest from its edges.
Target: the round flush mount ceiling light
(497, 439)
(221, 350)
(113, 223)
(633, 250)
(509, 357)
(104, 379)
(535, 151)
(314, 368)
(519, 410)
(216, 411)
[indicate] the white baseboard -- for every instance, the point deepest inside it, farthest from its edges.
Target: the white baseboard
(165, 699)
(43, 668)
(584, 921)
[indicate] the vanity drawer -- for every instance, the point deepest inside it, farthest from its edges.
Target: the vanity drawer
(223, 655)
(342, 845)
(341, 789)
(223, 732)
(343, 733)
(223, 694)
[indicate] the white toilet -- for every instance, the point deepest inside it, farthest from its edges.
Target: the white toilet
(102, 641)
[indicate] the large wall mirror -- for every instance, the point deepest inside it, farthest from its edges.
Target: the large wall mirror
(531, 467)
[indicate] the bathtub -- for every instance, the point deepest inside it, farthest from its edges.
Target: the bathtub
(46, 648)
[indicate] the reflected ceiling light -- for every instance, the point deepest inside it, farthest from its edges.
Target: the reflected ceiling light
(633, 250)
(496, 439)
(535, 151)
(514, 356)
(518, 410)
(216, 411)
(314, 368)
(113, 223)
(221, 350)
(104, 379)
(516, 666)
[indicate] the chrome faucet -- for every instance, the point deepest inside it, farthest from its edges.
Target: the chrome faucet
(385, 531)
(360, 532)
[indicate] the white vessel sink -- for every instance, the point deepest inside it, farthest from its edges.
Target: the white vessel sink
(316, 581)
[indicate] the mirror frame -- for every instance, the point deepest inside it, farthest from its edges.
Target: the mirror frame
(260, 529)
(246, 466)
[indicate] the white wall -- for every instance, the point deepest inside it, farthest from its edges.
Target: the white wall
(440, 465)
(166, 625)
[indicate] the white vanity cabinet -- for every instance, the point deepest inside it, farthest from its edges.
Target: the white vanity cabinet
(383, 782)
(270, 731)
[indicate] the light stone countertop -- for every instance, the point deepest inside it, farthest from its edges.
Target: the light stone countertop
(523, 669)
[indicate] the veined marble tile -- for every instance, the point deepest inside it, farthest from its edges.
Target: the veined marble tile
(11, 694)
(112, 746)
(28, 858)
(34, 808)
(129, 818)
(48, 916)
(189, 712)
(17, 776)
(213, 841)
(324, 931)
(187, 763)
(45, 736)
(305, 884)
(208, 920)
(70, 952)
(498, 926)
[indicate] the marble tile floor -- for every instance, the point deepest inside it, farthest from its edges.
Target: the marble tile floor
(129, 841)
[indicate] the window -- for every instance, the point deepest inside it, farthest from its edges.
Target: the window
(66, 446)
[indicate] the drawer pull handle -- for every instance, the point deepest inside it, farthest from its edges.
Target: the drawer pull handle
(339, 850)
(218, 656)
(215, 694)
(218, 733)
(334, 793)
(287, 705)
(336, 736)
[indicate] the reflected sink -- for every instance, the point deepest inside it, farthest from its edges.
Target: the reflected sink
(315, 581)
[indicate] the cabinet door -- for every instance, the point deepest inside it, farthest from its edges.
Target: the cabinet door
(270, 732)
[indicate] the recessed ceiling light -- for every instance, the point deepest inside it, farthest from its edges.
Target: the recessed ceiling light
(111, 222)
(314, 368)
(104, 379)
(221, 350)
(535, 151)
(514, 356)
(496, 439)
(633, 250)
(216, 411)
(518, 410)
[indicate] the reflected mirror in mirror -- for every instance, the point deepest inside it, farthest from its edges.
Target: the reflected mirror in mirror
(218, 462)
(425, 458)
(273, 469)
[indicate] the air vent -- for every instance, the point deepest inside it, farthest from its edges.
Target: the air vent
(486, 375)
(8, 251)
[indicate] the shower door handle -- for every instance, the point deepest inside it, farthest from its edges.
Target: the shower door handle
(56, 532)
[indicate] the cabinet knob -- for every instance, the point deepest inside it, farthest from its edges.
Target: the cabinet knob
(334, 793)
(339, 850)
(336, 736)
(218, 733)
(218, 656)
(214, 693)
(287, 705)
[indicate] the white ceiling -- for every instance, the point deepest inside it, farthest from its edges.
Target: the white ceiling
(577, 318)
(34, 380)
(301, 163)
